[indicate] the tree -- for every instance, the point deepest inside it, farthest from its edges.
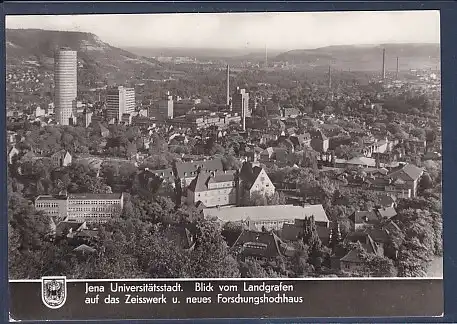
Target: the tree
(211, 257)
(379, 266)
(426, 182)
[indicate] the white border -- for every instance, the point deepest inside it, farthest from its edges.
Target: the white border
(242, 279)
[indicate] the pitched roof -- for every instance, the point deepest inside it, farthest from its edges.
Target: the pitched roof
(386, 200)
(181, 236)
(318, 134)
(95, 196)
(391, 226)
(365, 239)
(185, 169)
(267, 213)
(378, 235)
(387, 212)
(410, 170)
(203, 179)
(324, 234)
(84, 248)
(163, 173)
(352, 256)
(64, 227)
(362, 161)
(291, 232)
(264, 244)
(249, 174)
(60, 154)
(87, 233)
(364, 217)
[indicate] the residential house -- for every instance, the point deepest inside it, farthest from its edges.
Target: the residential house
(187, 171)
(301, 140)
(84, 249)
(386, 201)
(213, 189)
(181, 236)
(319, 142)
(267, 155)
(254, 179)
(260, 246)
(68, 229)
(352, 262)
(363, 219)
(12, 153)
(386, 213)
(294, 232)
(62, 158)
(286, 143)
(290, 112)
(407, 176)
(366, 241)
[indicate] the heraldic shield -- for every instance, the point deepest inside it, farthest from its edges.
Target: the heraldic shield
(54, 291)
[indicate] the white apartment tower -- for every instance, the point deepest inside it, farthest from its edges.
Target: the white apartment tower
(120, 101)
(240, 104)
(65, 81)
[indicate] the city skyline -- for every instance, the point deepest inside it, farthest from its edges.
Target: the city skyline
(277, 31)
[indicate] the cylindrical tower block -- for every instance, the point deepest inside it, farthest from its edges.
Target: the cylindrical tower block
(65, 79)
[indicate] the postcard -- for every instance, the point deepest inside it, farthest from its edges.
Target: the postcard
(224, 165)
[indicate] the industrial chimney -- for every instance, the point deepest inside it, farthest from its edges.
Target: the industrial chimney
(383, 63)
(329, 77)
(228, 85)
(396, 74)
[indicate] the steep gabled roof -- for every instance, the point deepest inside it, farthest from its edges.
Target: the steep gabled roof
(410, 170)
(249, 174)
(364, 217)
(365, 240)
(203, 179)
(263, 244)
(187, 168)
(387, 212)
(352, 256)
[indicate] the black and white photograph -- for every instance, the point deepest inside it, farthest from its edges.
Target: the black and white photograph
(224, 145)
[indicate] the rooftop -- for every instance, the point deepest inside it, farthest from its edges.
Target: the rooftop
(273, 213)
(92, 196)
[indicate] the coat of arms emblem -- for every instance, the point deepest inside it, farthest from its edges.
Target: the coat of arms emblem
(54, 291)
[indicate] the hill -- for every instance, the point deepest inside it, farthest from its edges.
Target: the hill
(98, 61)
(367, 57)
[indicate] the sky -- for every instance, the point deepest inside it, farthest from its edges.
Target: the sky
(247, 30)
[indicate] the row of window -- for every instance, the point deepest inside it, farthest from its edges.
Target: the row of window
(93, 209)
(94, 202)
(214, 193)
(226, 184)
(46, 205)
(101, 215)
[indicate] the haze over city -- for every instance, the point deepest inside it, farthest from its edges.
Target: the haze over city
(281, 31)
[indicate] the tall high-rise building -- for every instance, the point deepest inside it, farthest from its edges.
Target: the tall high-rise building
(120, 101)
(329, 77)
(228, 86)
(65, 82)
(383, 63)
(166, 106)
(240, 104)
(163, 109)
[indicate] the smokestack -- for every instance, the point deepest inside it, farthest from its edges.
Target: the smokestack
(266, 56)
(228, 85)
(329, 77)
(383, 63)
(396, 74)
